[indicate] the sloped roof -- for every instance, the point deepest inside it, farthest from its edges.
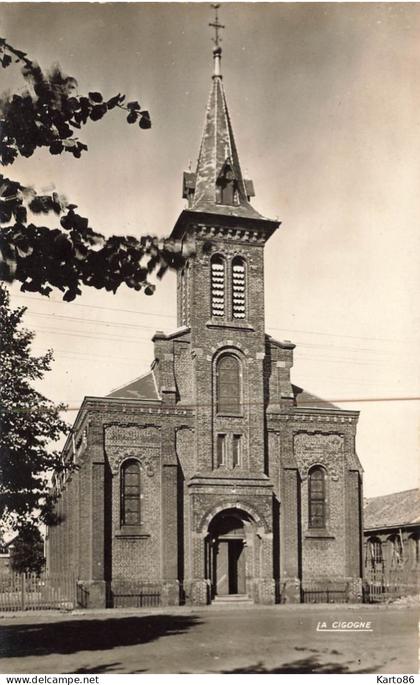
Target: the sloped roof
(396, 509)
(142, 388)
(306, 399)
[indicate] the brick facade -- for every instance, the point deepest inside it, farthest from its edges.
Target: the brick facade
(198, 505)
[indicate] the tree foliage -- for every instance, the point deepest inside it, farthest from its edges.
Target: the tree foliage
(48, 114)
(28, 424)
(27, 551)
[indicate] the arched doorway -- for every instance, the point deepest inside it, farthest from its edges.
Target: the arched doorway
(227, 552)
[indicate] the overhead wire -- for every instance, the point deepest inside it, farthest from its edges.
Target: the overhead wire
(173, 316)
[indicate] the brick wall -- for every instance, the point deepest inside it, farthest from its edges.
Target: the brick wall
(135, 553)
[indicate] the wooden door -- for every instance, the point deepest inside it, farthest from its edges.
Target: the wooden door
(241, 569)
(222, 568)
(236, 567)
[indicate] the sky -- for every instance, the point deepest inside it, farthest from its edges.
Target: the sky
(325, 104)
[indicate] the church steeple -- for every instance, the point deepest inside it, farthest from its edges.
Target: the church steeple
(218, 185)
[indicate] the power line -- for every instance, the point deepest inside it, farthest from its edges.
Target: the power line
(337, 335)
(105, 338)
(172, 316)
(95, 306)
(92, 322)
(127, 325)
(109, 337)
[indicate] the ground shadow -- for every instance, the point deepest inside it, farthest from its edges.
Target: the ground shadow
(113, 667)
(310, 664)
(70, 636)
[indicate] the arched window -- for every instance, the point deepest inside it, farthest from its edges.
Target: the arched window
(218, 277)
(414, 542)
(130, 493)
(317, 498)
(238, 288)
(375, 556)
(397, 551)
(228, 385)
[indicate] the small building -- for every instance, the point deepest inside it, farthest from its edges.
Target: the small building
(392, 540)
(6, 552)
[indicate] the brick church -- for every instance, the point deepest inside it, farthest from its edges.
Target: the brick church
(212, 475)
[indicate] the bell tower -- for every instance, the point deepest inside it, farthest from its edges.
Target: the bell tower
(220, 294)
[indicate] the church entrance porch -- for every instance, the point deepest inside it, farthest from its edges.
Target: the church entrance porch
(231, 551)
(233, 555)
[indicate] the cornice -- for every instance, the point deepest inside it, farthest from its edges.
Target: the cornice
(315, 416)
(119, 405)
(207, 225)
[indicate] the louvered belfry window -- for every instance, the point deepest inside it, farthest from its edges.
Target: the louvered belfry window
(238, 288)
(317, 498)
(228, 384)
(218, 278)
(130, 493)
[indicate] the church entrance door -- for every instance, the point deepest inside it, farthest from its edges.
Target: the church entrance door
(228, 555)
(229, 569)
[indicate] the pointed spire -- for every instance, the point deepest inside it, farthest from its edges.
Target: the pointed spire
(218, 185)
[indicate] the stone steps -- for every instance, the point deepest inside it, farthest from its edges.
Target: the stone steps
(232, 599)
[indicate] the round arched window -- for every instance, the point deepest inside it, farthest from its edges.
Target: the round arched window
(228, 385)
(130, 493)
(317, 498)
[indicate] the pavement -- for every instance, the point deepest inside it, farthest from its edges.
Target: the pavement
(244, 639)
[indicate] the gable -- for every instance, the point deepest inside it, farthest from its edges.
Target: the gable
(142, 388)
(306, 399)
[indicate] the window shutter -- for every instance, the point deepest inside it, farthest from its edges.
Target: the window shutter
(217, 287)
(238, 289)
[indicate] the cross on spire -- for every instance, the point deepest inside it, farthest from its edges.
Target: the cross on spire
(217, 39)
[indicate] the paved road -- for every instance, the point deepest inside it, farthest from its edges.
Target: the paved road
(280, 639)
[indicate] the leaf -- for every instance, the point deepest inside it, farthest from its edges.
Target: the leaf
(145, 121)
(132, 117)
(133, 105)
(72, 104)
(19, 53)
(56, 148)
(69, 296)
(96, 97)
(6, 61)
(20, 214)
(97, 112)
(113, 102)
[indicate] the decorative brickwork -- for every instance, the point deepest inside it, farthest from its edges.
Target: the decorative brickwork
(319, 448)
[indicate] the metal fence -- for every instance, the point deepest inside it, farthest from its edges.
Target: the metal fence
(29, 592)
(382, 586)
(327, 593)
(141, 596)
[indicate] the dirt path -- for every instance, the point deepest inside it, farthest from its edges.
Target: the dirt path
(208, 640)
